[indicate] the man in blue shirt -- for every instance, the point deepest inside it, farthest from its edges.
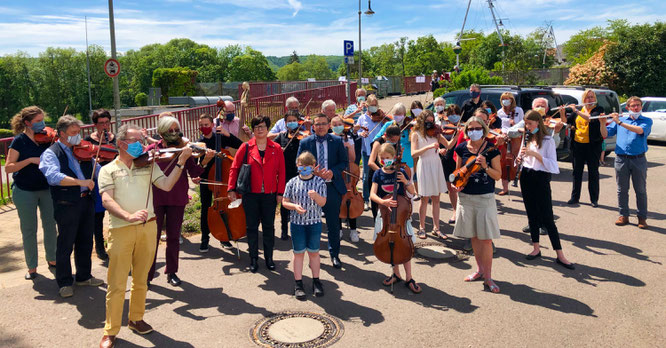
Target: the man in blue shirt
(74, 210)
(367, 132)
(630, 162)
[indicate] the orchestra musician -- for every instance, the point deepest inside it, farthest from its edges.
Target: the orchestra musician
(391, 136)
(370, 122)
(289, 141)
(232, 123)
(360, 107)
(510, 114)
(292, 104)
(451, 118)
(347, 136)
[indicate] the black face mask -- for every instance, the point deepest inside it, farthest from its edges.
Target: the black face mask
(172, 139)
(429, 125)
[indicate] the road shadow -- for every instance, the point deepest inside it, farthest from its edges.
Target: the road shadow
(10, 258)
(157, 339)
(534, 297)
(584, 274)
(566, 175)
(90, 301)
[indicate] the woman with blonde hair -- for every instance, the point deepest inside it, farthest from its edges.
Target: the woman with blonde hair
(30, 189)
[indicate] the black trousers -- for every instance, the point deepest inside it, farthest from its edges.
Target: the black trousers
(75, 222)
(260, 207)
(284, 220)
(535, 188)
(206, 200)
(586, 154)
(99, 232)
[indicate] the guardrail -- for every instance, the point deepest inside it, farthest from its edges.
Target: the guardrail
(272, 106)
(264, 89)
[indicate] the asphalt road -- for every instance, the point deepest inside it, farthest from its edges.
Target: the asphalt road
(613, 298)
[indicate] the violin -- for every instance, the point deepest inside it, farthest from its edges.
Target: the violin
(352, 201)
(460, 176)
(393, 245)
(86, 151)
(47, 136)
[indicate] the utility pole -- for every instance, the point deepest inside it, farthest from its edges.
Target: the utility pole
(88, 71)
(116, 89)
(360, 51)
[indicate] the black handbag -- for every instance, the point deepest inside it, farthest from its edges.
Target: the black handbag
(244, 180)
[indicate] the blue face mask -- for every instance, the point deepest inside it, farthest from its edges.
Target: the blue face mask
(338, 129)
(475, 135)
(490, 111)
(372, 109)
(74, 139)
(474, 94)
(360, 98)
(135, 149)
(454, 118)
(305, 170)
(535, 130)
(388, 162)
(39, 126)
(230, 117)
(292, 125)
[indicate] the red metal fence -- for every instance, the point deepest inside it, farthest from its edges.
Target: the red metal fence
(412, 86)
(272, 106)
(263, 89)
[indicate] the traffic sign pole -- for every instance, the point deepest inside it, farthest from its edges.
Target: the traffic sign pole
(116, 89)
(348, 51)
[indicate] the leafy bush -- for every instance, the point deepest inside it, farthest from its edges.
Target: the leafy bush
(6, 133)
(439, 92)
(141, 99)
(174, 81)
(470, 75)
(594, 71)
(191, 225)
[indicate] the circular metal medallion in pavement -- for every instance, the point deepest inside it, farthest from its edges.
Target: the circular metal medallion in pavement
(297, 329)
(435, 251)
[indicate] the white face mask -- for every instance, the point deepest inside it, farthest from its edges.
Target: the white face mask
(416, 112)
(475, 135)
(398, 118)
(439, 108)
(506, 102)
(634, 115)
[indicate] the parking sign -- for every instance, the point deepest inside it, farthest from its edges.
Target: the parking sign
(348, 48)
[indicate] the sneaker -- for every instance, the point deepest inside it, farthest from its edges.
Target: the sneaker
(353, 235)
(226, 245)
(367, 206)
(163, 237)
(140, 327)
(317, 288)
(299, 293)
(416, 198)
(92, 281)
(203, 247)
(66, 291)
(526, 229)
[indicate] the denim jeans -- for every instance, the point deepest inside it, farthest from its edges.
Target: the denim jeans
(635, 169)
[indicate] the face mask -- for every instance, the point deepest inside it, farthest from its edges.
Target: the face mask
(416, 112)
(398, 118)
(474, 94)
(305, 170)
(38, 127)
(506, 102)
(230, 117)
(540, 110)
(535, 130)
(429, 125)
(475, 135)
(206, 130)
(634, 115)
(74, 139)
(439, 108)
(387, 162)
(292, 125)
(360, 98)
(372, 109)
(338, 129)
(135, 149)
(489, 111)
(172, 138)
(454, 118)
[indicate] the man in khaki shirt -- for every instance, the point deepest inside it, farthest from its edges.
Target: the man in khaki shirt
(132, 232)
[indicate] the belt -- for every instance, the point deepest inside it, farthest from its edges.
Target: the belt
(85, 194)
(632, 156)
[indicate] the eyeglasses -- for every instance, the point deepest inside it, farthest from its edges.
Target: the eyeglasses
(474, 128)
(260, 126)
(141, 140)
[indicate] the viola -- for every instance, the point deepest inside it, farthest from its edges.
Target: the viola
(379, 116)
(47, 136)
(352, 201)
(86, 151)
(460, 176)
(393, 245)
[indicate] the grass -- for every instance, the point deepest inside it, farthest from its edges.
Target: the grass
(6, 197)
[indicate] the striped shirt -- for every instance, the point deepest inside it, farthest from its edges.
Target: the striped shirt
(297, 192)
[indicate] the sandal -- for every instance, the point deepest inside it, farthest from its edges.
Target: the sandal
(491, 286)
(439, 234)
(503, 193)
(473, 277)
(415, 288)
(421, 234)
(391, 280)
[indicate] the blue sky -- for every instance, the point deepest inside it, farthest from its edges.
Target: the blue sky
(277, 27)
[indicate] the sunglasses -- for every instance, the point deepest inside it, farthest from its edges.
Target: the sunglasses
(474, 128)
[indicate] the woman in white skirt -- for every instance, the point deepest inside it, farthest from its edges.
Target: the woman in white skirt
(425, 146)
(476, 214)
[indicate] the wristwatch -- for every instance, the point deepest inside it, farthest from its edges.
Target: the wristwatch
(179, 165)
(619, 124)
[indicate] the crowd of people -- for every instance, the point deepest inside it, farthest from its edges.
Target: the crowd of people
(300, 164)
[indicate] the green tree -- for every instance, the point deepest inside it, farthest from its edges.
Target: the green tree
(174, 81)
(290, 72)
(385, 60)
(251, 66)
(401, 50)
(316, 67)
(16, 86)
(294, 58)
(425, 55)
(472, 75)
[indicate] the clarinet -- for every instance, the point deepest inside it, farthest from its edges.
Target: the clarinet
(520, 168)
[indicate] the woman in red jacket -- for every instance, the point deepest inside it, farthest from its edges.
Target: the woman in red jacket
(267, 186)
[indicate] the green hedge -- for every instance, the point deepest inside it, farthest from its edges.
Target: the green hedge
(6, 133)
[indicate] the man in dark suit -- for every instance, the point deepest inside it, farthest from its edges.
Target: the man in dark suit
(331, 161)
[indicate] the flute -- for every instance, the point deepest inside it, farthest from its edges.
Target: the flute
(566, 106)
(609, 116)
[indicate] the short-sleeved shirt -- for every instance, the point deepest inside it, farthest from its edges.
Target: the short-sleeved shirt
(468, 108)
(628, 142)
(297, 192)
(385, 182)
(479, 183)
(29, 178)
(130, 188)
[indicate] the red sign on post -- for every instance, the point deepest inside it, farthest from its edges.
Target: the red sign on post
(112, 67)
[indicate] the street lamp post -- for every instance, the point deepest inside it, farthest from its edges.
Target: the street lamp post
(368, 13)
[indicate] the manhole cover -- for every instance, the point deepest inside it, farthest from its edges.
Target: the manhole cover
(297, 329)
(436, 251)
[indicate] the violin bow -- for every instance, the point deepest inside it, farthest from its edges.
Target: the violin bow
(150, 185)
(99, 147)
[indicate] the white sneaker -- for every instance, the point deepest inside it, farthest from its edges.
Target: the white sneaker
(353, 235)
(163, 237)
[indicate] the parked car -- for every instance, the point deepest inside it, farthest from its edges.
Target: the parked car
(654, 108)
(524, 96)
(606, 98)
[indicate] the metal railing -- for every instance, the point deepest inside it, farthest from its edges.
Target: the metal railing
(263, 89)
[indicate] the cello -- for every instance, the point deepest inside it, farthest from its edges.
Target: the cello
(393, 245)
(352, 201)
(225, 224)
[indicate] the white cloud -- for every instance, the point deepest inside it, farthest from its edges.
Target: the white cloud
(296, 5)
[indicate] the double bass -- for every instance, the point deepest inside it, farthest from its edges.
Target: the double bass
(225, 224)
(352, 201)
(393, 245)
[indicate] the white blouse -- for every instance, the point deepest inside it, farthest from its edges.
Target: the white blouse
(518, 115)
(547, 152)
